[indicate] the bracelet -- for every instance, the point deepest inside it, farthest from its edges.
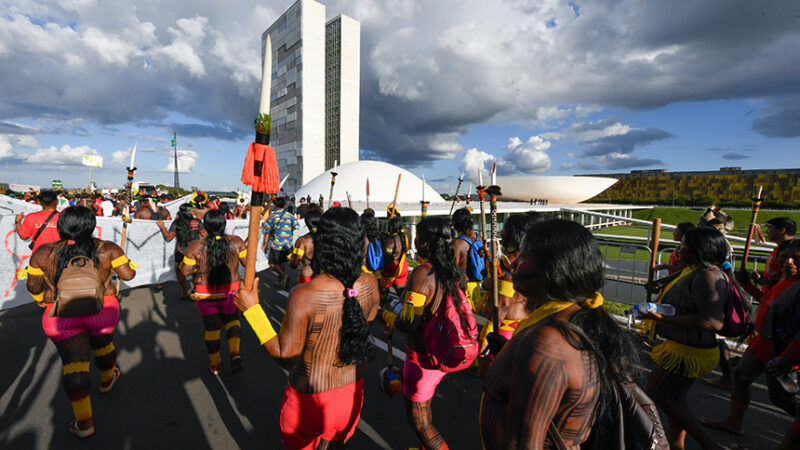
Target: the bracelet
(258, 321)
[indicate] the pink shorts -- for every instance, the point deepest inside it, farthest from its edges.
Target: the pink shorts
(419, 383)
(208, 307)
(331, 415)
(104, 322)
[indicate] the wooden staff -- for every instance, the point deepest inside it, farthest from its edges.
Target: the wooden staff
(481, 199)
(349, 202)
(126, 213)
(752, 230)
(261, 168)
(396, 191)
(655, 236)
(455, 197)
(367, 193)
(493, 192)
(333, 181)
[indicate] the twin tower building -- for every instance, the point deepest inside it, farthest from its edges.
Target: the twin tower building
(315, 97)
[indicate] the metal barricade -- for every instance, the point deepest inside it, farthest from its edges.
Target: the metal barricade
(626, 267)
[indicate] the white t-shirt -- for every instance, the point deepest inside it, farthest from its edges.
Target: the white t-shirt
(108, 208)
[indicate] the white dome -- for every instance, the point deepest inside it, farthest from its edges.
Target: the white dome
(352, 178)
(556, 189)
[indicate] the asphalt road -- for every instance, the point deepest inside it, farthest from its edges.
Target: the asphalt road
(167, 399)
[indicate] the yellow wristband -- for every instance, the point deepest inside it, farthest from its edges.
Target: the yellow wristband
(116, 262)
(243, 253)
(38, 297)
(414, 305)
(258, 321)
(506, 288)
(35, 271)
(189, 261)
(298, 251)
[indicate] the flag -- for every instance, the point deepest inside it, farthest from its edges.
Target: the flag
(92, 160)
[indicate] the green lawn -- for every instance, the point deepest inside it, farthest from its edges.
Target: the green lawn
(741, 217)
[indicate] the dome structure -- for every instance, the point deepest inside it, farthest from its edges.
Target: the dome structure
(352, 178)
(556, 189)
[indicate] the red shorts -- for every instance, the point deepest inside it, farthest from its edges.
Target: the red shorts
(104, 322)
(761, 348)
(212, 301)
(331, 415)
(419, 383)
(401, 279)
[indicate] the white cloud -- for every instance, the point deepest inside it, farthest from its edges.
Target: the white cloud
(592, 131)
(187, 159)
(64, 155)
(121, 158)
(110, 48)
(475, 161)
(530, 156)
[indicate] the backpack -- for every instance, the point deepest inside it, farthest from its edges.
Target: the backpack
(448, 346)
(636, 423)
(374, 255)
(737, 310)
(476, 265)
(80, 289)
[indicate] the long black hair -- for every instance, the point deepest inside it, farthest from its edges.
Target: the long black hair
(217, 249)
(75, 227)
(568, 255)
(396, 227)
(370, 224)
(338, 252)
(707, 246)
(183, 225)
(312, 217)
(435, 235)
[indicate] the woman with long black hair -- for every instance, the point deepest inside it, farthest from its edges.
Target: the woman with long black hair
(436, 284)
(187, 229)
(323, 337)
(214, 263)
(563, 361)
(689, 350)
(74, 336)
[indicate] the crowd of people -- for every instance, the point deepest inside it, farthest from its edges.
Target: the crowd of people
(555, 370)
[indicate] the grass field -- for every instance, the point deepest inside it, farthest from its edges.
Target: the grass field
(741, 217)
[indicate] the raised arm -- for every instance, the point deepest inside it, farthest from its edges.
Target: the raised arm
(286, 345)
(168, 235)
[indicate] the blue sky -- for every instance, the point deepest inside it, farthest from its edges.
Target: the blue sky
(538, 87)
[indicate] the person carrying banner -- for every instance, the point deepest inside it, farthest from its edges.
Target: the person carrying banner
(187, 229)
(214, 264)
(41, 225)
(75, 336)
(148, 209)
(323, 339)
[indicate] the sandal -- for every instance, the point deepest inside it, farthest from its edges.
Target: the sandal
(75, 429)
(236, 363)
(105, 387)
(213, 369)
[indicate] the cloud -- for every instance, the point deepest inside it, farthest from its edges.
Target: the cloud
(187, 159)
(528, 157)
(475, 161)
(591, 131)
(566, 166)
(735, 156)
(65, 155)
(618, 161)
(782, 120)
(623, 143)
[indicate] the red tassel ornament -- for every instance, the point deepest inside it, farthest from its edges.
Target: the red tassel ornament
(261, 167)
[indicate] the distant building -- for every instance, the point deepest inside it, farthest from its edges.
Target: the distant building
(728, 183)
(315, 97)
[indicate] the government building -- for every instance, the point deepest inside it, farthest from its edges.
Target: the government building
(315, 95)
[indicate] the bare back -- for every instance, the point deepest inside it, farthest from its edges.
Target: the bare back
(314, 311)
(197, 251)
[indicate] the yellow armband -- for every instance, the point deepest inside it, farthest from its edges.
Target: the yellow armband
(38, 297)
(242, 254)
(189, 261)
(415, 303)
(258, 321)
(506, 288)
(298, 251)
(365, 269)
(30, 270)
(116, 262)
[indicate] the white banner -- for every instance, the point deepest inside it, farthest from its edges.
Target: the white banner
(92, 160)
(145, 246)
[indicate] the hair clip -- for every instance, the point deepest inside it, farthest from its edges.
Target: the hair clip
(726, 265)
(351, 293)
(70, 242)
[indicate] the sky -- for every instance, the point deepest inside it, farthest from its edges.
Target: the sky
(539, 87)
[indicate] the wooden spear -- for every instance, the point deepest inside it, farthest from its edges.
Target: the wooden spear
(367, 193)
(752, 230)
(655, 236)
(396, 191)
(455, 197)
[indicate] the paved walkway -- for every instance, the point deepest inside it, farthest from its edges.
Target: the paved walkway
(167, 399)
